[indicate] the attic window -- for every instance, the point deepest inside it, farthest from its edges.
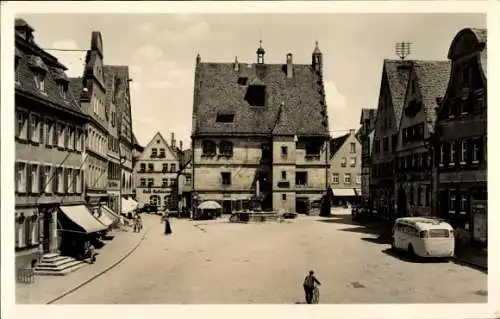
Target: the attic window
(256, 95)
(242, 80)
(225, 118)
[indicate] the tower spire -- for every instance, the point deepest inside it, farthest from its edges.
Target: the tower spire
(260, 53)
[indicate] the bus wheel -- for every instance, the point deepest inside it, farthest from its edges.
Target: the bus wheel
(411, 252)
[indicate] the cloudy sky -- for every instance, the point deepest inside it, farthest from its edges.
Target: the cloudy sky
(161, 49)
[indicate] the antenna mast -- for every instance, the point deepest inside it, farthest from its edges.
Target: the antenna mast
(403, 49)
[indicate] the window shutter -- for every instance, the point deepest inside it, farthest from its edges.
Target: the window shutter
(28, 178)
(41, 179)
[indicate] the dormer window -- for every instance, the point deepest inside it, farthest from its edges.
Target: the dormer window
(242, 80)
(40, 81)
(225, 118)
(256, 95)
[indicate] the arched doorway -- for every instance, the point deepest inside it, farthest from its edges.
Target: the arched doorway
(402, 203)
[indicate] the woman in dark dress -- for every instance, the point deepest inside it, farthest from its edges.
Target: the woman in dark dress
(168, 230)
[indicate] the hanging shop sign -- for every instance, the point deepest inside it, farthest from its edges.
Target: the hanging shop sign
(479, 211)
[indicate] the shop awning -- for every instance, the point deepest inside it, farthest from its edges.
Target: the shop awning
(343, 192)
(110, 212)
(105, 219)
(81, 216)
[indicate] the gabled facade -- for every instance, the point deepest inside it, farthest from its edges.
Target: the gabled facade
(345, 169)
(156, 172)
(461, 137)
(395, 75)
(414, 169)
(50, 146)
(366, 132)
(92, 97)
(260, 134)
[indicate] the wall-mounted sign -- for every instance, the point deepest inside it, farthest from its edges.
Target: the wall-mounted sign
(479, 210)
(155, 191)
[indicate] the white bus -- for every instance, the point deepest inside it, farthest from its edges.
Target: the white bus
(423, 237)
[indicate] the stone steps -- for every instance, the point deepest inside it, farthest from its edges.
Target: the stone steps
(57, 265)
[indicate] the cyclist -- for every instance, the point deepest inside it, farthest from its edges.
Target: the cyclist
(309, 282)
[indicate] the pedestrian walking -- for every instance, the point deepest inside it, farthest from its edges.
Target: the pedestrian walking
(309, 282)
(168, 229)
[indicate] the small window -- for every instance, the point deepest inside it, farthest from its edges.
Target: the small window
(209, 148)
(283, 196)
(154, 152)
(40, 81)
(301, 178)
(143, 167)
(226, 148)
(283, 175)
(143, 182)
(353, 148)
(226, 178)
(151, 167)
(225, 118)
(256, 95)
(453, 200)
(463, 156)
(164, 182)
(353, 161)
(347, 178)
(335, 178)
(284, 151)
(172, 167)
(150, 182)
(358, 179)
(343, 162)
(164, 168)
(62, 89)
(162, 153)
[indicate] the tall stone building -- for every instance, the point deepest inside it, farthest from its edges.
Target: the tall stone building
(260, 134)
(50, 150)
(366, 133)
(92, 95)
(461, 137)
(414, 169)
(345, 169)
(394, 83)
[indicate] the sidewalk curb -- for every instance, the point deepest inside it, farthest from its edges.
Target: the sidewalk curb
(469, 263)
(113, 265)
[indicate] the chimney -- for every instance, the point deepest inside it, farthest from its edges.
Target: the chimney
(289, 66)
(236, 64)
(180, 145)
(352, 131)
(198, 59)
(172, 140)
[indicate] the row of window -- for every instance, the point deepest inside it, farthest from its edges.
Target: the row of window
(388, 144)
(461, 152)
(165, 182)
(414, 162)
(347, 178)
(472, 102)
(98, 106)
(27, 233)
(458, 201)
(413, 133)
(154, 153)
(382, 169)
(97, 142)
(31, 127)
(47, 179)
(155, 200)
(96, 177)
(420, 196)
(113, 144)
(209, 148)
(352, 162)
(164, 167)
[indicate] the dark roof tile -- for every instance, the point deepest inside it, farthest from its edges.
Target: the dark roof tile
(219, 91)
(397, 76)
(336, 143)
(432, 79)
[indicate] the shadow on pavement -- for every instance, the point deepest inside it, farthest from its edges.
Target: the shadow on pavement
(378, 240)
(362, 230)
(470, 265)
(403, 256)
(342, 219)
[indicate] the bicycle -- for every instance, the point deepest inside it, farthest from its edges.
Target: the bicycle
(315, 298)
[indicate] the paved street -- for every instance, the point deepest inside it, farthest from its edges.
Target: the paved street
(219, 262)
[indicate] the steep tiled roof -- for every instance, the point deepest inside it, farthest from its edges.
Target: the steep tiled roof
(219, 92)
(481, 35)
(28, 61)
(432, 79)
(397, 76)
(76, 87)
(336, 143)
